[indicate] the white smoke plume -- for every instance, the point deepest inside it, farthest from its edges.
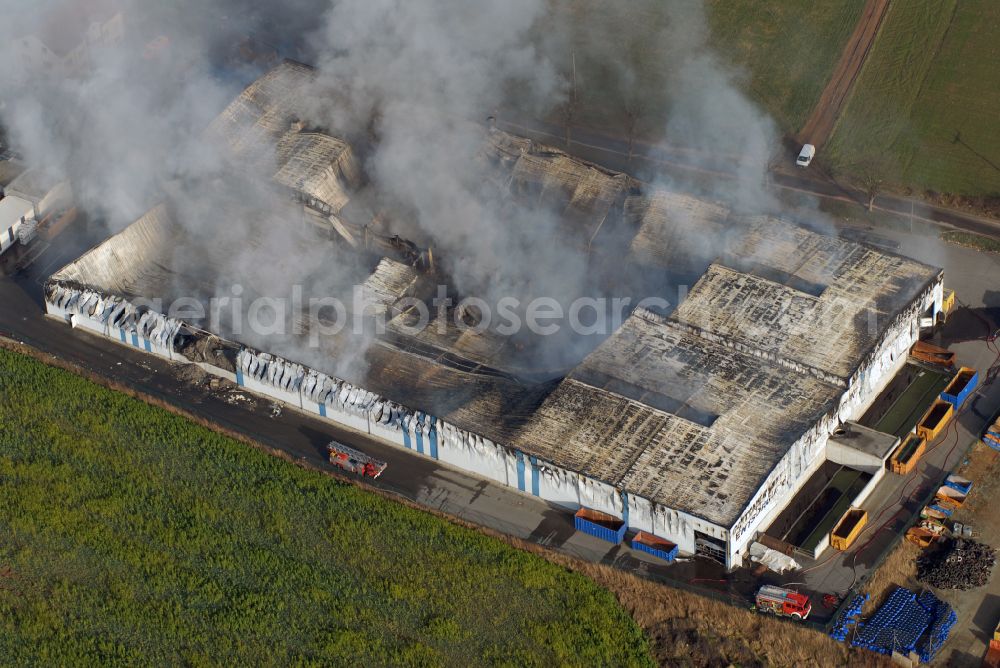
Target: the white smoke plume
(409, 84)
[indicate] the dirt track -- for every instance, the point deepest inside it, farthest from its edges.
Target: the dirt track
(819, 125)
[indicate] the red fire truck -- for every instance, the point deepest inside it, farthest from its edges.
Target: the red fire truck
(783, 602)
(354, 461)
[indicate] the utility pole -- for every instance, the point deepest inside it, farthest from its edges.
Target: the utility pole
(571, 105)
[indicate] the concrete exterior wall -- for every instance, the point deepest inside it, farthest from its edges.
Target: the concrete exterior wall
(216, 371)
(809, 452)
(340, 402)
(44, 202)
(13, 211)
(840, 453)
(60, 197)
(674, 525)
(870, 487)
(114, 318)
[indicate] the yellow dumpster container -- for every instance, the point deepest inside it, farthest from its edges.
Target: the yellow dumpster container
(907, 454)
(934, 421)
(848, 528)
(948, 302)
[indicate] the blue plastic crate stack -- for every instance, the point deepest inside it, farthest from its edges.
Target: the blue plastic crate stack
(944, 619)
(869, 635)
(897, 625)
(848, 618)
(904, 623)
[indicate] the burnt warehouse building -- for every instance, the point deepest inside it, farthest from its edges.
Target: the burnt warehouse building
(698, 425)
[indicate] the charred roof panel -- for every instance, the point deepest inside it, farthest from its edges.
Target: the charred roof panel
(708, 471)
(664, 408)
(673, 227)
(771, 312)
(125, 264)
(318, 166)
(390, 281)
(582, 194)
(261, 114)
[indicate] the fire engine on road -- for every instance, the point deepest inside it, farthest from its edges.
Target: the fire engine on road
(354, 461)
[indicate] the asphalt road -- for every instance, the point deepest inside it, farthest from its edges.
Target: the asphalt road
(648, 161)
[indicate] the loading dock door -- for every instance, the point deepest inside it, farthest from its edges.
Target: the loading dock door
(709, 547)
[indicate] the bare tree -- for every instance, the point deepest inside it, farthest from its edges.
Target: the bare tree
(871, 178)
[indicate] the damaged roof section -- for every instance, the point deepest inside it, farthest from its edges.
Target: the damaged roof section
(318, 166)
(126, 264)
(673, 229)
(695, 410)
(390, 281)
(675, 418)
(261, 114)
(691, 412)
(829, 329)
(583, 195)
(263, 128)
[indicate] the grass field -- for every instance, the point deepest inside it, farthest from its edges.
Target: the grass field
(970, 240)
(789, 48)
(926, 101)
(129, 535)
(783, 50)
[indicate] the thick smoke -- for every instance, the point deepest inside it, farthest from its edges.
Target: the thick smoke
(709, 112)
(410, 85)
(425, 71)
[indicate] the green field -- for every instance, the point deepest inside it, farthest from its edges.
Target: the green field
(129, 535)
(926, 101)
(970, 240)
(789, 48)
(782, 50)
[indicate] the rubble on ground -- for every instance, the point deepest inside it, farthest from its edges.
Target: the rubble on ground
(961, 564)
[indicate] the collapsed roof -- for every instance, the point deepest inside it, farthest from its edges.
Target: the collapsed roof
(813, 299)
(691, 412)
(673, 228)
(254, 122)
(676, 419)
(318, 166)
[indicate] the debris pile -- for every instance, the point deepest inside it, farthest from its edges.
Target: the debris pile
(962, 564)
(848, 617)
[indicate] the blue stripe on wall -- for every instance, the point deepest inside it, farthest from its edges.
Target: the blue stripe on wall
(434, 438)
(520, 470)
(534, 476)
(121, 333)
(322, 410)
(418, 431)
(406, 438)
(135, 339)
(239, 376)
(625, 508)
(147, 345)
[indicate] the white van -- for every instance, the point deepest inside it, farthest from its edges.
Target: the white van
(806, 155)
